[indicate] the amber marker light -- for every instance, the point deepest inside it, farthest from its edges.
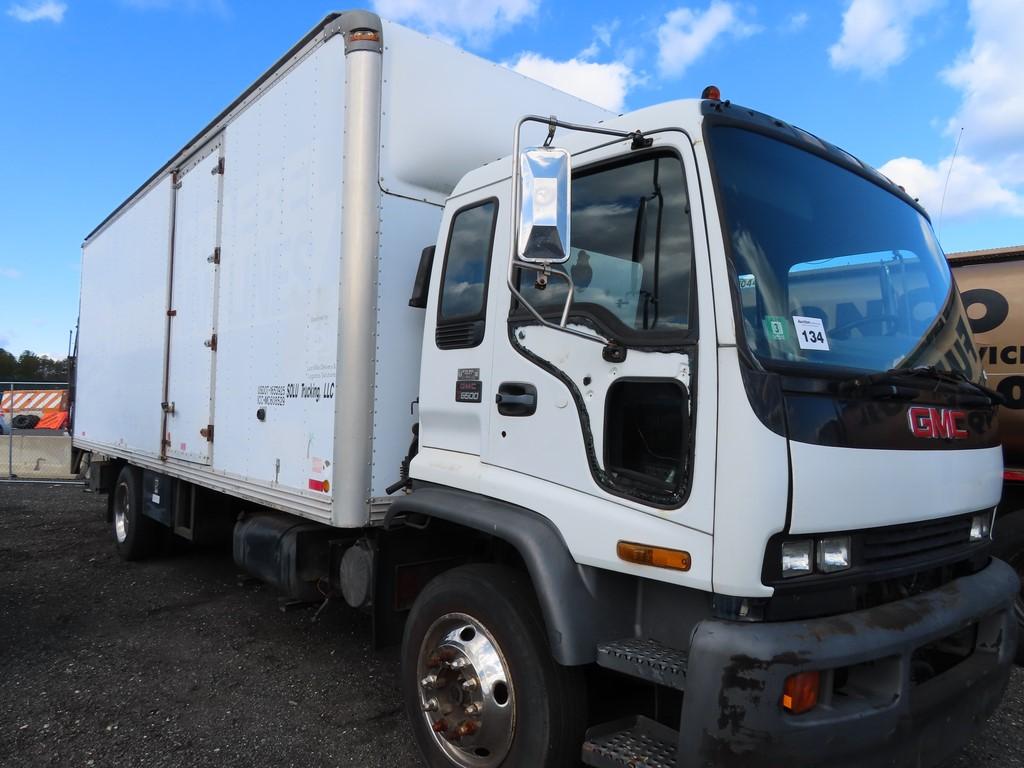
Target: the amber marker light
(801, 692)
(711, 92)
(659, 557)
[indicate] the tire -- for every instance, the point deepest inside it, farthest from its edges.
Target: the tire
(135, 535)
(1009, 546)
(24, 421)
(530, 711)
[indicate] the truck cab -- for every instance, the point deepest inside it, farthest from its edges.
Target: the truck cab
(741, 414)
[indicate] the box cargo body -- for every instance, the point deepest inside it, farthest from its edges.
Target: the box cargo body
(992, 286)
(244, 321)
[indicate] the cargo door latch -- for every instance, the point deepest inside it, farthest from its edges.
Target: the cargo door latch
(207, 432)
(211, 343)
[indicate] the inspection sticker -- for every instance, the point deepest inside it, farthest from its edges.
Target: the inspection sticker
(810, 333)
(775, 327)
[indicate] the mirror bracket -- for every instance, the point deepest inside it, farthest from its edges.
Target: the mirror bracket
(640, 141)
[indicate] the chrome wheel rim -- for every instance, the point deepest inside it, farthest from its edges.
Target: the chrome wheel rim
(465, 692)
(122, 505)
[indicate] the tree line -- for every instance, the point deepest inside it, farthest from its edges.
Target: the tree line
(28, 366)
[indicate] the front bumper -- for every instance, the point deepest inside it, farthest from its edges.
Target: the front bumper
(732, 714)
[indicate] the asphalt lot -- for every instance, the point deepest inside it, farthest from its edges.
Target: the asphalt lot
(178, 662)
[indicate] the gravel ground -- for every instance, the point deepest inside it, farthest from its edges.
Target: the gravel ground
(176, 662)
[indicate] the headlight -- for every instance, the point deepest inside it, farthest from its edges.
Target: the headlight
(796, 558)
(981, 526)
(834, 554)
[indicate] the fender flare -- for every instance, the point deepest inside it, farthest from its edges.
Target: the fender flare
(574, 616)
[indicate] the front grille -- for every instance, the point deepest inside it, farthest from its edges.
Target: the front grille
(934, 540)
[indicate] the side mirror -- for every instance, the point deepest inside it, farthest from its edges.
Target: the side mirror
(545, 203)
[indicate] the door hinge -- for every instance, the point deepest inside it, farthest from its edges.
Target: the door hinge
(219, 169)
(172, 312)
(176, 180)
(167, 407)
(207, 432)
(211, 343)
(214, 258)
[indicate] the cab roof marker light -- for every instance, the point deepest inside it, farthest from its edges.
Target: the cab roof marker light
(711, 92)
(658, 557)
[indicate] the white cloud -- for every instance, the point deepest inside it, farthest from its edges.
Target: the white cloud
(471, 21)
(686, 34)
(796, 22)
(990, 77)
(603, 84)
(9, 273)
(38, 11)
(875, 34)
(973, 187)
(989, 172)
(602, 39)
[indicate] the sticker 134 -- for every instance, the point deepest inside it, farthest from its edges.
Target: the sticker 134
(810, 333)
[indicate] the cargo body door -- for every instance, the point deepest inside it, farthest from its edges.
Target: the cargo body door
(192, 333)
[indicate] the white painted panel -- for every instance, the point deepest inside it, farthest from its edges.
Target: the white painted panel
(752, 486)
(831, 493)
(122, 324)
(590, 531)
(464, 110)
(193, 274)
(444, 422)
(550, 444)
(278, 304)
(407, 227)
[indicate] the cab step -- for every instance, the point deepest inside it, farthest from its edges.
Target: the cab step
(646, 659)
(634, 742)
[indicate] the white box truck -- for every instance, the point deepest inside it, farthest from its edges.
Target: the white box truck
(700, 472)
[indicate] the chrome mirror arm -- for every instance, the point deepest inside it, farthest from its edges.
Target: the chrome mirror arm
(514, 263)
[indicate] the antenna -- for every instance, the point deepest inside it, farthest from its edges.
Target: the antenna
(949, 172)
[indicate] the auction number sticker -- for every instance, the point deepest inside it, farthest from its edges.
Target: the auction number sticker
(810, 333)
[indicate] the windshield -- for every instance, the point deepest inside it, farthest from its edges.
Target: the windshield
(831, 270)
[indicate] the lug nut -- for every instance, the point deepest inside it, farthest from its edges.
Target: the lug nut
(430, 681)
(471, 684)
(441, 726)
(466, 728)
(458, 664)
(430, 705)
(473, 710)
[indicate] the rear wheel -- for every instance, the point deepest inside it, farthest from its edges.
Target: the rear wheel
(480, 686)
(135, 534)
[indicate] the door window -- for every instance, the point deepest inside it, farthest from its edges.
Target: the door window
(463, 297)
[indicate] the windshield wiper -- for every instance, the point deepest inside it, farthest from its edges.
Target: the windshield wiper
(938, 376)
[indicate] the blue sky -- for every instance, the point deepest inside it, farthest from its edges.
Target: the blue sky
(97, 94)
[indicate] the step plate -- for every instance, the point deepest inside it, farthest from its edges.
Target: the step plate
(646, 659)
(635, 742)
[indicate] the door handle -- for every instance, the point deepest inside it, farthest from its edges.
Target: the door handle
(516, 398)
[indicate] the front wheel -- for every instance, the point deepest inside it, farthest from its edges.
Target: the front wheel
(481, 688)
(1009, 546)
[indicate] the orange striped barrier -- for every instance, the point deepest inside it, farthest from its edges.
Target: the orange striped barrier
(38, 401)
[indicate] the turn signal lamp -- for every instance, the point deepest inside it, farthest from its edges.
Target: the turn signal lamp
(800, 693)
(711, 92)
(659, 557)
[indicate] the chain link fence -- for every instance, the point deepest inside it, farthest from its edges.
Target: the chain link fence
(35, 443)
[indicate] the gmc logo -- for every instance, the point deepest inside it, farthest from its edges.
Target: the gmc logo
(937, 423)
